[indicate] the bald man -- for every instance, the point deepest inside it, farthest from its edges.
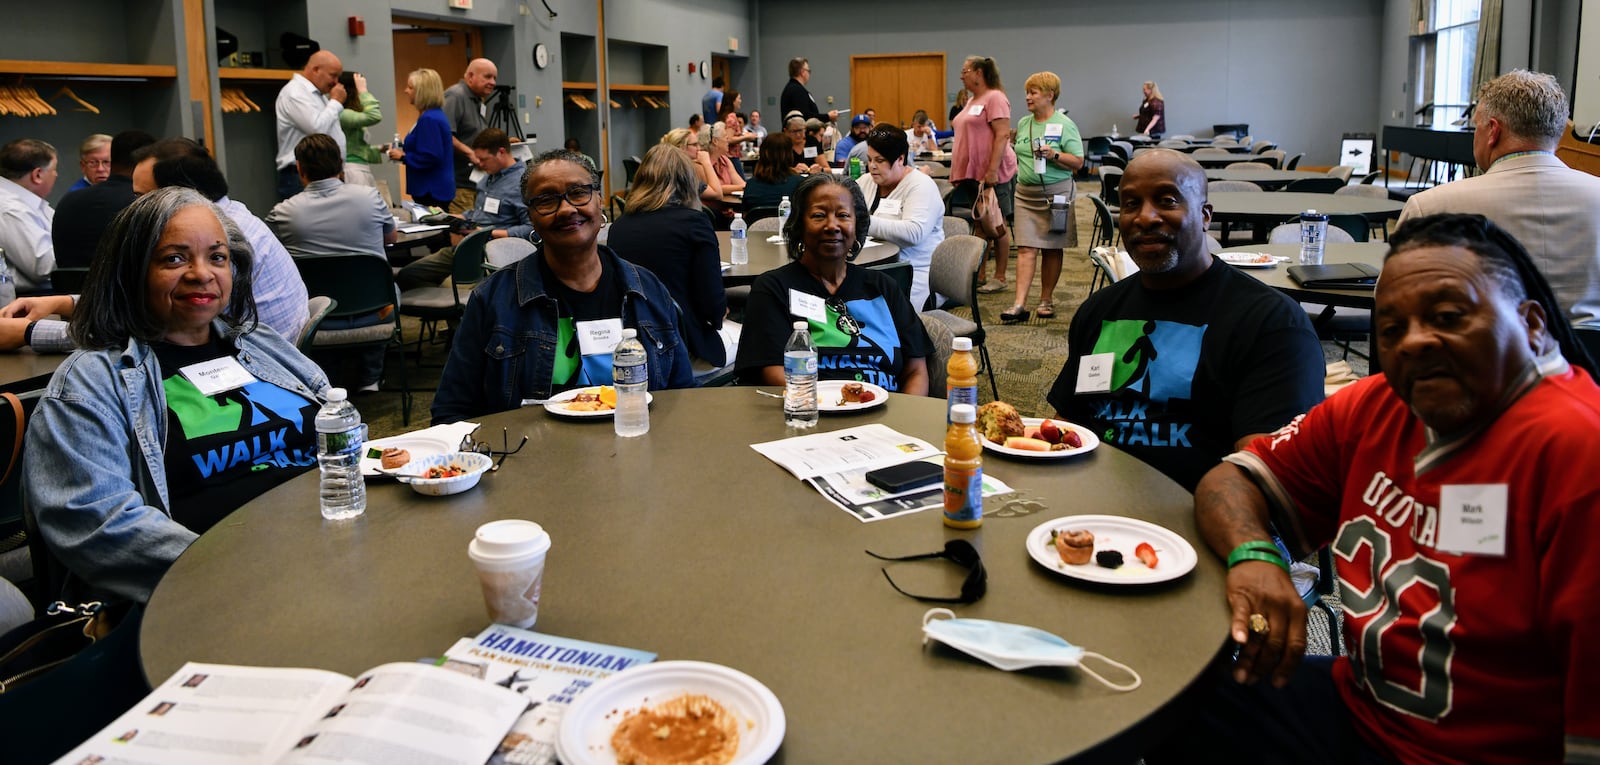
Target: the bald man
(466, 107)
(309, 104)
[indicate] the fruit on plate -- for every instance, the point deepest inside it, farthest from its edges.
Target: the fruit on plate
(1026, 444)
(608, 396)
(1146, 554)
(1059, 433)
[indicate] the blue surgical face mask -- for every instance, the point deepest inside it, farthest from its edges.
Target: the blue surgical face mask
(1014, 646)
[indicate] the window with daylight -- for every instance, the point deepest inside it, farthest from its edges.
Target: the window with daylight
(1443, 54)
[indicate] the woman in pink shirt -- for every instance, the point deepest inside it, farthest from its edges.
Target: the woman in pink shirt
(982, 153)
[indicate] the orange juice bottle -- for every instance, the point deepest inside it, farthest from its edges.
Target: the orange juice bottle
(963, 469)
(961, 376)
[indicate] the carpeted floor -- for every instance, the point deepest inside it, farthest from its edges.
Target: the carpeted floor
(1027, 356)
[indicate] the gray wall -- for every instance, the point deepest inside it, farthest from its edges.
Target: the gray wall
(1300, 72)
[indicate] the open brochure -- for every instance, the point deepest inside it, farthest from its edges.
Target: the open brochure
(850, 491)
(862, 447)
(548, 670)
(219, 714)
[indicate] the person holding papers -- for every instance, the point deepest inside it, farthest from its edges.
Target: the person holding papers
(179, 409)
(861, 322)
(549, 322)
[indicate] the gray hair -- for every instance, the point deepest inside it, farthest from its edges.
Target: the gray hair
(557, 155)
(1530, 105)
(113, 308)
(792, 121)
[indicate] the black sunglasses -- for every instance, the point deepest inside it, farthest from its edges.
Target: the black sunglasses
(958, 551)
(470, 444)
(846, 323)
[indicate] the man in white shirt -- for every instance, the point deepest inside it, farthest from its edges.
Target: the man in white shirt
(27, 174)
(1552, 209)
(309, 104)
(756, 127)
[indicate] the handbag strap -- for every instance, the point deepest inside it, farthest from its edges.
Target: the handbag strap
(16, 435)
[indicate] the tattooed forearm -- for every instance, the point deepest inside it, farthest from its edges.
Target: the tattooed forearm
(1229, 509)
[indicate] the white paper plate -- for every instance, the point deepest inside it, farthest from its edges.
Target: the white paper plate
(1090, 442)
(586, 728)
(1248, 259)
(419, 445)
(556, 404)
(1174, 556)
(828, 396)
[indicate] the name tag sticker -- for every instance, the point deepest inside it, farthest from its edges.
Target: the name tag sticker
(975, 110)
(808, 306)
(1472, 519)
(477, 176)
(491, 205)
(1094, 373)
(598, 336)
(483, 110)
(810, 152)
(889, 207)
(1052, 131)
(217, 375)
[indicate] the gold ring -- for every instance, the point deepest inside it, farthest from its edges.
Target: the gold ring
(1258, 625)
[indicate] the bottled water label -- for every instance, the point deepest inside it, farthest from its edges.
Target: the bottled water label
(343, 442)
(799, 364)
(633, 374)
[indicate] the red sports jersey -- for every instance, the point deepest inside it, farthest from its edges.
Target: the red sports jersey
(1455, 658)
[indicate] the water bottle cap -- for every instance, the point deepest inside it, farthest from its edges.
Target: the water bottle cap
(800, 325)
(630, 333)
(336, 394)
(1309, 212)
(738, 216)
(962, 344)
(963, 413)
(785, 197)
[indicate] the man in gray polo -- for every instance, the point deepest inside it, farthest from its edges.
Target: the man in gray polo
(330, 216)
(466, 107)
(1553, 210)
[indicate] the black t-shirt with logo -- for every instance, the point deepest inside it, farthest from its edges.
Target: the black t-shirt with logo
(572, 369)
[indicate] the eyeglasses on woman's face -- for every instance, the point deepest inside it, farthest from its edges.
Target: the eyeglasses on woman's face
(578, 196)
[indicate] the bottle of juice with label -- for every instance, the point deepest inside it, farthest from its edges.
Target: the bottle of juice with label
(961, 376)
(963, 469)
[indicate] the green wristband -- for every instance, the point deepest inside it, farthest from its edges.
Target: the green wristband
(1240, 556)
(1257, 544)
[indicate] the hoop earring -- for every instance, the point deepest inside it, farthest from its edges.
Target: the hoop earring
(855, 249)
(799, 249)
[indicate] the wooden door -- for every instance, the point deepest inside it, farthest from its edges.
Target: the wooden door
(896, 85)
(720, 67)
(420, 43)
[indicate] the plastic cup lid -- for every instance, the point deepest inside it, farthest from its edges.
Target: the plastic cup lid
(509, 539)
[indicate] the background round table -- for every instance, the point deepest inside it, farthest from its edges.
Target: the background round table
(1370, 253)
(1264, 211)
(688, 543)
(765, 256)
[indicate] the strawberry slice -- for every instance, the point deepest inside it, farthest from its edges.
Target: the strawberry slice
(1146, 554)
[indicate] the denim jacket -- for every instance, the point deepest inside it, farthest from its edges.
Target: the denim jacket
(505, 347)
(93, 465)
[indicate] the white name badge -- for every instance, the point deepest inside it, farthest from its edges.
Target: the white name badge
(483, 110)
(1472, 519)
(217, 375)
(491, 205)
(810, 152)
(1052, 131)
(808, 306)
(477, 176)
(1059, 199)
(598, 336)
(889, 207)
(975, 110)
(1094, 373)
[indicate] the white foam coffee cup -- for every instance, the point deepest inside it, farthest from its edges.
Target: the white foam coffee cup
(509, 556)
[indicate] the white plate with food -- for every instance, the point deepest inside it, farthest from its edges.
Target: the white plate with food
(736, 712)
(1248, 259)
(831, 396)
(416, 445)
(584, 403)
(1137, 542)
(1038, 442)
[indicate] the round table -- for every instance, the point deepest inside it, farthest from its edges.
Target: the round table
(1264, 211)
(688, 543)
(765, 256)
(1371, 253)
(1266, 179)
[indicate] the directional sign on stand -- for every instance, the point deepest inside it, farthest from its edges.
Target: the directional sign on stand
(1355, 150)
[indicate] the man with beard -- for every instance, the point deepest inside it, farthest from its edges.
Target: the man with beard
(1188, 360)
(1452, 492)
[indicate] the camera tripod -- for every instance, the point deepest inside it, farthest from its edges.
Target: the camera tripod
(502, 115)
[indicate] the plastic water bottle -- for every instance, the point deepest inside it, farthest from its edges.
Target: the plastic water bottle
(740, 239)
(1313, 235)
(630, 372)
(784, 208)
(800, 379)
(340, 436)
(1114, 130)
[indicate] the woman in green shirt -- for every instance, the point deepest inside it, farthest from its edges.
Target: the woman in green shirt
(1049, 151)
(360, 112)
